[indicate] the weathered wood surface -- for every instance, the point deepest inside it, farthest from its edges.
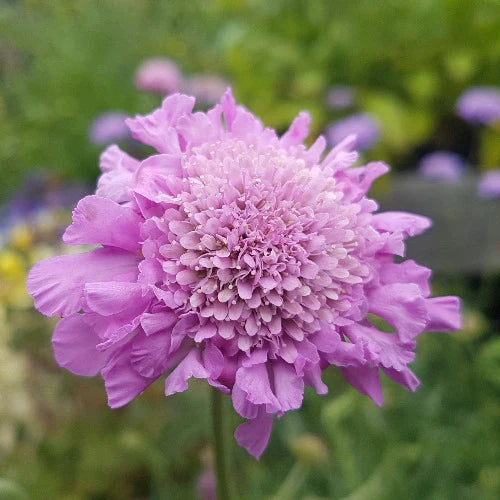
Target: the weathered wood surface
(465, 236)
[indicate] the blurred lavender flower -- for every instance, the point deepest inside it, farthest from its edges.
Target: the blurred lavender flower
(442, 166)
(207, 89)
(480, 105)
(40, 191)
(364, 126)
(159, 75)
(206, 485)
(340, 97)
(489, 184)
(109, 127)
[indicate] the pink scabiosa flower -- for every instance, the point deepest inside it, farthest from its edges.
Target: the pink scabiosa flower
(363, 126)
(239, 257)
(109, 127)
(442, 166)
(489, 184)
(480, 105)
(159, 75)
(340, 97)
(207, 89)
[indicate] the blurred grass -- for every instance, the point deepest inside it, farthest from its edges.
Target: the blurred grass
(63, 62)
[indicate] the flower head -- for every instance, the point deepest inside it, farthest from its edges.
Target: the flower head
(480, 105)
(442, 166)
(108, 128)
(340, 97)
(238, 257)
(362, 125)
(207, 89)
(159, 75)
(489, 184)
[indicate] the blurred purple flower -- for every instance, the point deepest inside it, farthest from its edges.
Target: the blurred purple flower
(109, 127)
(39, 191)
(208, 89)
(442, 165)
(489, 184)
(340, 97)
(159, 75)
(480, 105)
(206, 485)
(364, 126)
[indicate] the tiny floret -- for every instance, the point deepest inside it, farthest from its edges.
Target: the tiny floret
(240, 257)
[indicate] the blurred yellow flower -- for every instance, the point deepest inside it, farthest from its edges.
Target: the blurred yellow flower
(12, 279)
(21, 237)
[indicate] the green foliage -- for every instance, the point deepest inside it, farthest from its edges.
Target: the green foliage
(65, 61)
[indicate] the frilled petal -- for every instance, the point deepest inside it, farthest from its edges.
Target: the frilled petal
(117, 179)
(405, 377)
(326, 339)
(298, 131)
(254, 382)
(288, 386)
(122, 381)
(158, 128)
(114, 158)
(346, 354)
(444, 313)
(366, 380)
(381, 349)
(190, 366)
(406, 272)
(149, 354)
(156, 322)
(401, 222)
(159, 178)
(197, 129)
(74, 343)
(101, 221)
(312, 377)
(342, 155)
(114, 297)
(359, 180)
(57, 284)
(229, 108)
(403, 307)
(254, 435)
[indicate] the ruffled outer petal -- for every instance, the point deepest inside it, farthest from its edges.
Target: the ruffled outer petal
(366, 380)
(288, 386)
(381, 349)
(254, 435)
(158, 128)
(114, 297)
(254, 382)
(123, 383)
(59, 292)
(406, 272)
(298, 131)
(190, 366)
(401, 222)
(117, 179)
(444, 314)
(402, 306)
(74, 343)
(159, 178)
(101, 221)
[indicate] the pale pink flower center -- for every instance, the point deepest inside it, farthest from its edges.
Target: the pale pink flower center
(261, 243)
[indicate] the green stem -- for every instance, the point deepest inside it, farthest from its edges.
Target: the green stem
(220, 457)
(292, 483)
